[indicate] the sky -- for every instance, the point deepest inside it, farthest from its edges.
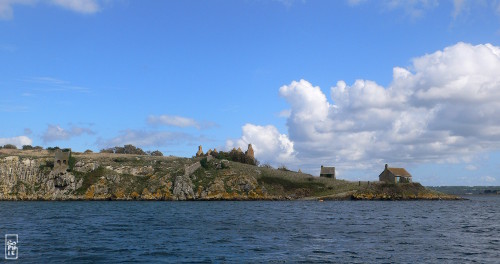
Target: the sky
(351, 84)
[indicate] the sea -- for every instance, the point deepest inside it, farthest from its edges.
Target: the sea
(254, 231)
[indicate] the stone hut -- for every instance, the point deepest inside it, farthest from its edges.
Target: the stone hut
(395, 175)
(61, 159)
(328, 172)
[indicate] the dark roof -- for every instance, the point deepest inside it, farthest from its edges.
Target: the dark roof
(401, 172)
(327, 170)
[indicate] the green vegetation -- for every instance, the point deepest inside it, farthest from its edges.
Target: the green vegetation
(150, 177)
(9, 146)
(204, 162)
(156, 153)
(53, 148)
(47, 166)
(283, 168)
(235, 156)
(89, 178)
(130, 149)
(120, 159)
(289, 184)
(71, 162)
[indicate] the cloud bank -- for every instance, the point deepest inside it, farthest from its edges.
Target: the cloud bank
(55, 133)
(178, 121)
(443, 108)
(142, 138)
(17, 141)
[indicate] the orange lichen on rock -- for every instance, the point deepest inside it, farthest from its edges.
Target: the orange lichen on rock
(134, 195)
(89, 194)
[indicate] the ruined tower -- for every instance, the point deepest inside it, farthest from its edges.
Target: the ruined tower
(249, 152)
(61, 160)
(200, 151)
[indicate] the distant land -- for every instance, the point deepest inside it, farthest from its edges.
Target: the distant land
(467, 190)
(39, 174)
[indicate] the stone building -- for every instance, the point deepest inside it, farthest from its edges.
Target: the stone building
(200, 152)
(61, 159)
(328, 172)
(394, 175)
(250, 152)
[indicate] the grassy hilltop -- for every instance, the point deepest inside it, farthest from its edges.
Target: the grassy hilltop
(30, 175)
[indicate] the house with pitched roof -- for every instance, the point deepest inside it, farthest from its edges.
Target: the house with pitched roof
(328, 172)
(395, 175)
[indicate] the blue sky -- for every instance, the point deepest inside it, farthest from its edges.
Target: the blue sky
(351, 84)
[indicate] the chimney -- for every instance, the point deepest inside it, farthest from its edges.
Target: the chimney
(386, 166)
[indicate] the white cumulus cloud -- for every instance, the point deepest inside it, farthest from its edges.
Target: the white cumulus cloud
(268, 144)
(442, 108)
(142, 138)
(17, 141)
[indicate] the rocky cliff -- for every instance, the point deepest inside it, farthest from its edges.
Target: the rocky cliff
(30, 175)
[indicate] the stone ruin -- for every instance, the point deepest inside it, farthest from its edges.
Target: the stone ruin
(249, 152)
(61, 160)
(200, 152)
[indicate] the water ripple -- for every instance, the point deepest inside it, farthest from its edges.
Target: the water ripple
(262, 232)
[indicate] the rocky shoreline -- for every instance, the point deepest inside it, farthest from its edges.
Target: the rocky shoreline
(34, 176)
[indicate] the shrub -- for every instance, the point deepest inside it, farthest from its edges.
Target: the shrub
(236, 156)
(71, 162)
(9, 146)
(48, 164)
(283, 168)
(88, 151)
(89, 178)
(156, 153)
(53, 148)
(38, 148)
(27, 147)
(266, 165)
(127, 149)
(108, 150)
(224, 165)
(204, 163)
(130, 149)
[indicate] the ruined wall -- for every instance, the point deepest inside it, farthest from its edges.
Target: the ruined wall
(61, 160)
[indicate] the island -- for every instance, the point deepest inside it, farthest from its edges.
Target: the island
(58, 174)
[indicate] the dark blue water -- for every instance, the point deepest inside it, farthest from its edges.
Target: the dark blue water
(228, 232)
